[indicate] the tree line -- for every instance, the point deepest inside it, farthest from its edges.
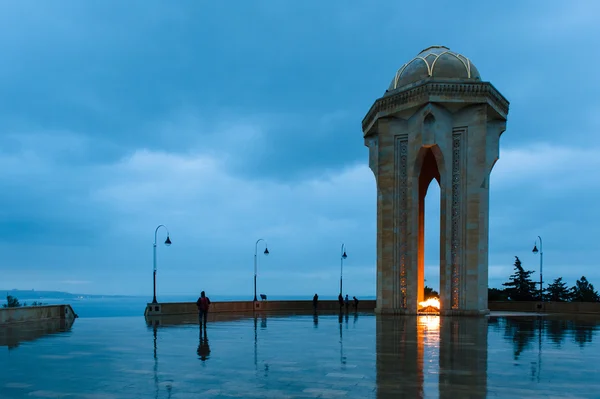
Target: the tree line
(13, 302)
(521, 287)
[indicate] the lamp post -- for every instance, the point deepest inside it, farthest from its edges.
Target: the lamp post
(255, 261)
(342, 257)
(535, 251)
(167, 243)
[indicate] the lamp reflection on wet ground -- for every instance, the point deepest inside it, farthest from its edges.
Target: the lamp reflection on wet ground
(352, 355)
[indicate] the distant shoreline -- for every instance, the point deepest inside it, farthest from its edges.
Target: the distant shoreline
(32, 294)
(29, 295)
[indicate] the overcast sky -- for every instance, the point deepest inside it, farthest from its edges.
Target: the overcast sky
(238, 120)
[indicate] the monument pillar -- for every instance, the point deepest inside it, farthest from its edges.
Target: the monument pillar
(437, 121)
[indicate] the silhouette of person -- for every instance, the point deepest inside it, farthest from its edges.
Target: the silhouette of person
(355, 303)
(203, 348)
(315, 302)
(341, 301)
(203, 304)
(347, 302)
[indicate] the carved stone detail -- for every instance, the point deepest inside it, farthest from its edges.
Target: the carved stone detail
(455, 240)
(401, 214)
(373, 144)
(463, 91)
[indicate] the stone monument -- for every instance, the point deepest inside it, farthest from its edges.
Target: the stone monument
(437, 120)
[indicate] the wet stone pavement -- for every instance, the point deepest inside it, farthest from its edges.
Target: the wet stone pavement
(304, 356)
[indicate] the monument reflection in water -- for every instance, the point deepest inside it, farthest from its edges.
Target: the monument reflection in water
(466, 357)
(379, 356)
(405, 343)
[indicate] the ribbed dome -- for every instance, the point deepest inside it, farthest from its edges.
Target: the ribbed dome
(436, 62)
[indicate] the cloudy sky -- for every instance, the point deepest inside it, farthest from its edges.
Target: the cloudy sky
(233, 121)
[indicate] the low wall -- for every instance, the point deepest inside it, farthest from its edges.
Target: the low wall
(546, 307)
(36, 313)
(185, 308)
(181, 308)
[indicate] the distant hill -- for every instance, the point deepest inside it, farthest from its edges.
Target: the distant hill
(32, 294)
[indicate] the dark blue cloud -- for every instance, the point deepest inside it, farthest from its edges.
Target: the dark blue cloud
(248, 112)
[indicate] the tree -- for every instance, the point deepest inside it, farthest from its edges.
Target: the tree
(495, 294)
(557, 291)
(520, 287)
(11, 302)
(430, 293)
(583, 291)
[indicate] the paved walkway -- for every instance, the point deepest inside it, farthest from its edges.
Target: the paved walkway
(362, 356)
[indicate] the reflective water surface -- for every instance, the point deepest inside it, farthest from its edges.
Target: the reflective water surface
(304, 356)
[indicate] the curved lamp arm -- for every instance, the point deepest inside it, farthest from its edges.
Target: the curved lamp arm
(256, 252)
(256, 246)
(156, 233)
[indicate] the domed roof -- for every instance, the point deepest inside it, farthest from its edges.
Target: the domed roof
(436, 62)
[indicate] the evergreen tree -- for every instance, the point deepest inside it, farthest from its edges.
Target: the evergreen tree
(495, 294)
(520, 287)
(11, 302)
(583, 291)
(557, 291)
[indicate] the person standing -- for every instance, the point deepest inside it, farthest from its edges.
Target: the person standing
(341, 301)
(347, 302)
(355, 302)
(203, 304)
(315, 302)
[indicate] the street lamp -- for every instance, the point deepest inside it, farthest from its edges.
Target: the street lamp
(255, 260)
(167, 243)
(535, 251)
(343, 256)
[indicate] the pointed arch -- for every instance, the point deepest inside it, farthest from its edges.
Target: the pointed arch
(429, 164)
(429, 119)
(437, 154)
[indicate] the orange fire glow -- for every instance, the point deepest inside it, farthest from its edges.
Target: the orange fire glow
(431, 302)
(429, 323)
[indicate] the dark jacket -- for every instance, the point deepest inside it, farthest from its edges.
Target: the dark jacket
(203, 304)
